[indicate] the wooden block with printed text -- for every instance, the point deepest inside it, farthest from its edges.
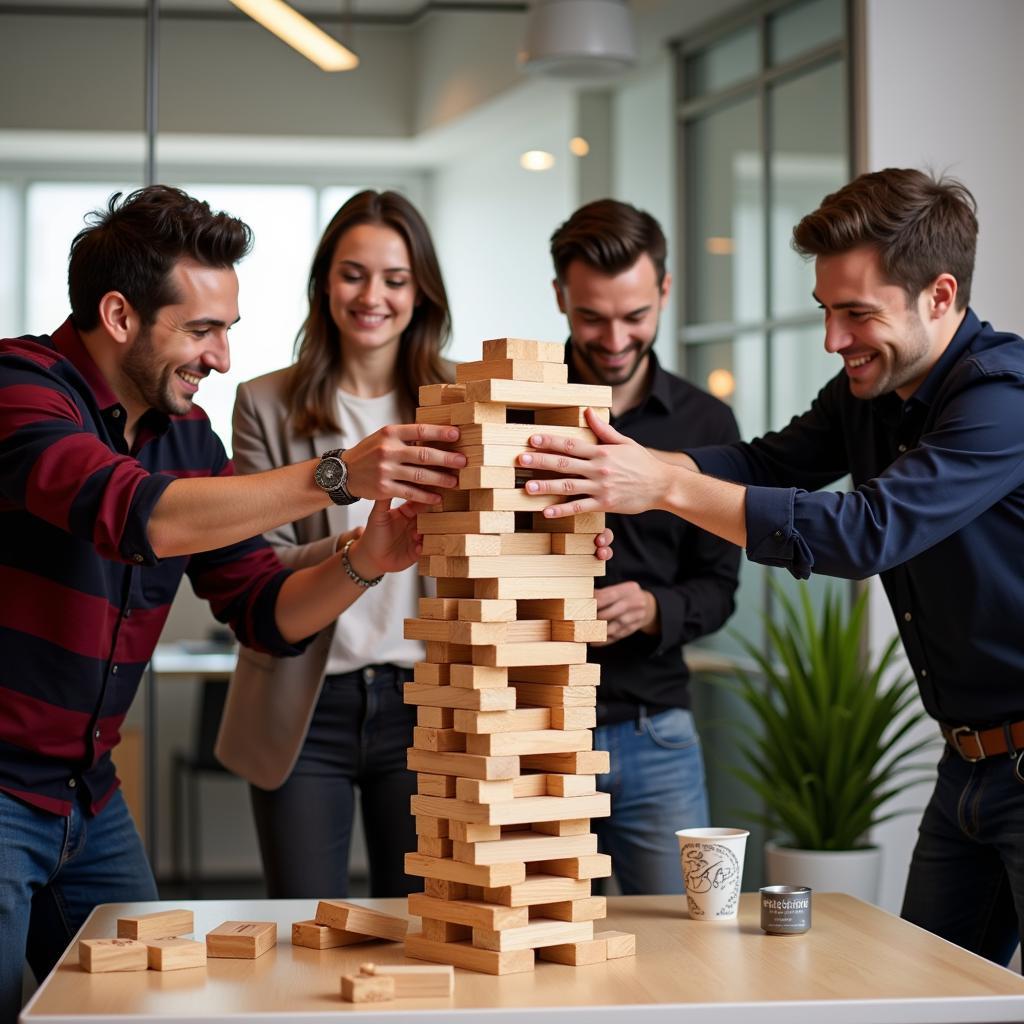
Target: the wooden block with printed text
(164, 924)
(241, 940)
(98, 956)
(351, 917)
(175, 954)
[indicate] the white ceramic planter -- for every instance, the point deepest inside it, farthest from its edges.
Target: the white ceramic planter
(856, 872)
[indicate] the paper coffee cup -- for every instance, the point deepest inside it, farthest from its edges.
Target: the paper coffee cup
(712, 865)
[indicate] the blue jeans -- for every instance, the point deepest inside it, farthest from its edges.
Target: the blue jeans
(657, 785)
(966, 880)
(358, 738)
(53, 871)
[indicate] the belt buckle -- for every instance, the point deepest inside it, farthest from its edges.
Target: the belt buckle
(954, 738)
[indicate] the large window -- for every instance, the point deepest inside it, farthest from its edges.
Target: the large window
(764, 135)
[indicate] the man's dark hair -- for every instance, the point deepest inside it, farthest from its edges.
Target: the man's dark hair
(610, 237)
(132, 246)
(921, 227)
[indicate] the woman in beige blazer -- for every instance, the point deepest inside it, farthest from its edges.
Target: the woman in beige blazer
(307, 732)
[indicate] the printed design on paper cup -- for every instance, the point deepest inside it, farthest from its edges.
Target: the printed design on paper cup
(711, 866)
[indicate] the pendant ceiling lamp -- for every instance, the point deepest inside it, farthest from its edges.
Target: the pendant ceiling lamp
(579, 38)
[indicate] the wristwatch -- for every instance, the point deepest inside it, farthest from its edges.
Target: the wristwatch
(331, 475)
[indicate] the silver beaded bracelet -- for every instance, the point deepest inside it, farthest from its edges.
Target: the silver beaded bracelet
(353, 575)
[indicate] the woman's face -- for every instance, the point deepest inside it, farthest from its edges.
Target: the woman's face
(370, 288)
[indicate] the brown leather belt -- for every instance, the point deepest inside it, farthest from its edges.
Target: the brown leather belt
(977, 744)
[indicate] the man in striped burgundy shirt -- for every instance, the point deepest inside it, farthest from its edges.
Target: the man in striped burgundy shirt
(112, 486)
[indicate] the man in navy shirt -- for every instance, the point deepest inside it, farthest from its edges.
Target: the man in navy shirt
(112, 486)
(927, 416)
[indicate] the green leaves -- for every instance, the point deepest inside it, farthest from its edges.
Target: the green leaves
(830, 751)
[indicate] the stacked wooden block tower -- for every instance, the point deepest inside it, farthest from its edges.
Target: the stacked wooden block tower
(505, 700)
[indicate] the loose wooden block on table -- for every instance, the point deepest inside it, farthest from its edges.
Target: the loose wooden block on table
(464, 954)
(175, 954)
(474, 913)
(414, 980)
(314, 935)
(241, 940)
(365, 988)
(524, 348)
(353, 918)
(619, 943)
(534, 935)
(164, 924)
(98, 956)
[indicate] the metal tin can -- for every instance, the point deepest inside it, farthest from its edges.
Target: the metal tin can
(785, 909)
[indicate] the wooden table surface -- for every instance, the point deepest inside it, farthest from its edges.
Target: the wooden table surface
(856, 964)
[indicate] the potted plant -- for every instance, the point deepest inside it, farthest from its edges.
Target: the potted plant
(832, 744)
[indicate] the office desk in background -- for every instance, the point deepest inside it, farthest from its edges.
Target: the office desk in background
(184, 659)
(856, 965)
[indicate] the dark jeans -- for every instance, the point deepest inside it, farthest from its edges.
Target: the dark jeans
(966, 880)
(358, 738)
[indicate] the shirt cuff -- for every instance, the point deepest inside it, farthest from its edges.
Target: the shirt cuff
(135, 546)
(671, 609)
(771, 536)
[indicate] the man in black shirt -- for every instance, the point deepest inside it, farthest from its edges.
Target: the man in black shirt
(669, 582)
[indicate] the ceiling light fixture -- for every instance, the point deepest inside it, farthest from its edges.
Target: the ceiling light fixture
(578, 38)
(537, 160)
(300, 33)
(579, 146)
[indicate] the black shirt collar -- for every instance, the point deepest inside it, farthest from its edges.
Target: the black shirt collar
(659, 387)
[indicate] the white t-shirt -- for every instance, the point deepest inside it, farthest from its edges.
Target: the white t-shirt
(370, 631)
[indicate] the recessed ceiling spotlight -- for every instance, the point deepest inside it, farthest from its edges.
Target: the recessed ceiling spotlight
(537, 160)
(579, 146)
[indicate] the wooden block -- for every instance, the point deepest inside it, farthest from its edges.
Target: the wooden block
(366, 988)
(501, 455)
(571, 543)
(354, 918)
(530, 785)
(473, 913)
(569, 416)
(457, 697)
(514, 566)
(435, 718)
(503, 588)
(512, 369)
(588, 522)
(429, 629)
(456, 588)
(529, 395)
(438, 394)
(321, 936)
(534, 935)
(563, 827)
(470, 766)
(98, 956)
(465, 955)
(518, 720)
(577, 954)
(241, 940)
(540, 742)
(441, 652)
(480, 633)
(439, 414)
(428, 826)
(463, 544)
(540, 695)
(470, 610)
(558, 675)
(483, 791)
(593, 908)
(524, 348)
(525, 846)
(466, 522)
(429, 674)
(438, 739)
(440, 607)
(175, 954)
(477, 412)
(511, 655)
(479, 677)
(571, 785)
(582, 762)
(573, 718)
(435, 785)
(470, 832)
(515, 812)
(442, 889)
(165, 924)
(453, 500)
(619, 943)
(445, 931)
(593, 865)
(489, 875)
(517, 434)
(558, 607)
(539, 889)
(594, 631)
(431, 846)
(419, 981)
(512, 499)
(476, 478)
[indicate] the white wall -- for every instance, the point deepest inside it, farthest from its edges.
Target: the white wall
(944, 81)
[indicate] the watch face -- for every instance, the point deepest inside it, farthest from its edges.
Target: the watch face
(329, 473)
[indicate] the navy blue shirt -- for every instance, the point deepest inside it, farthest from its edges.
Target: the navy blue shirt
(937, 510)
